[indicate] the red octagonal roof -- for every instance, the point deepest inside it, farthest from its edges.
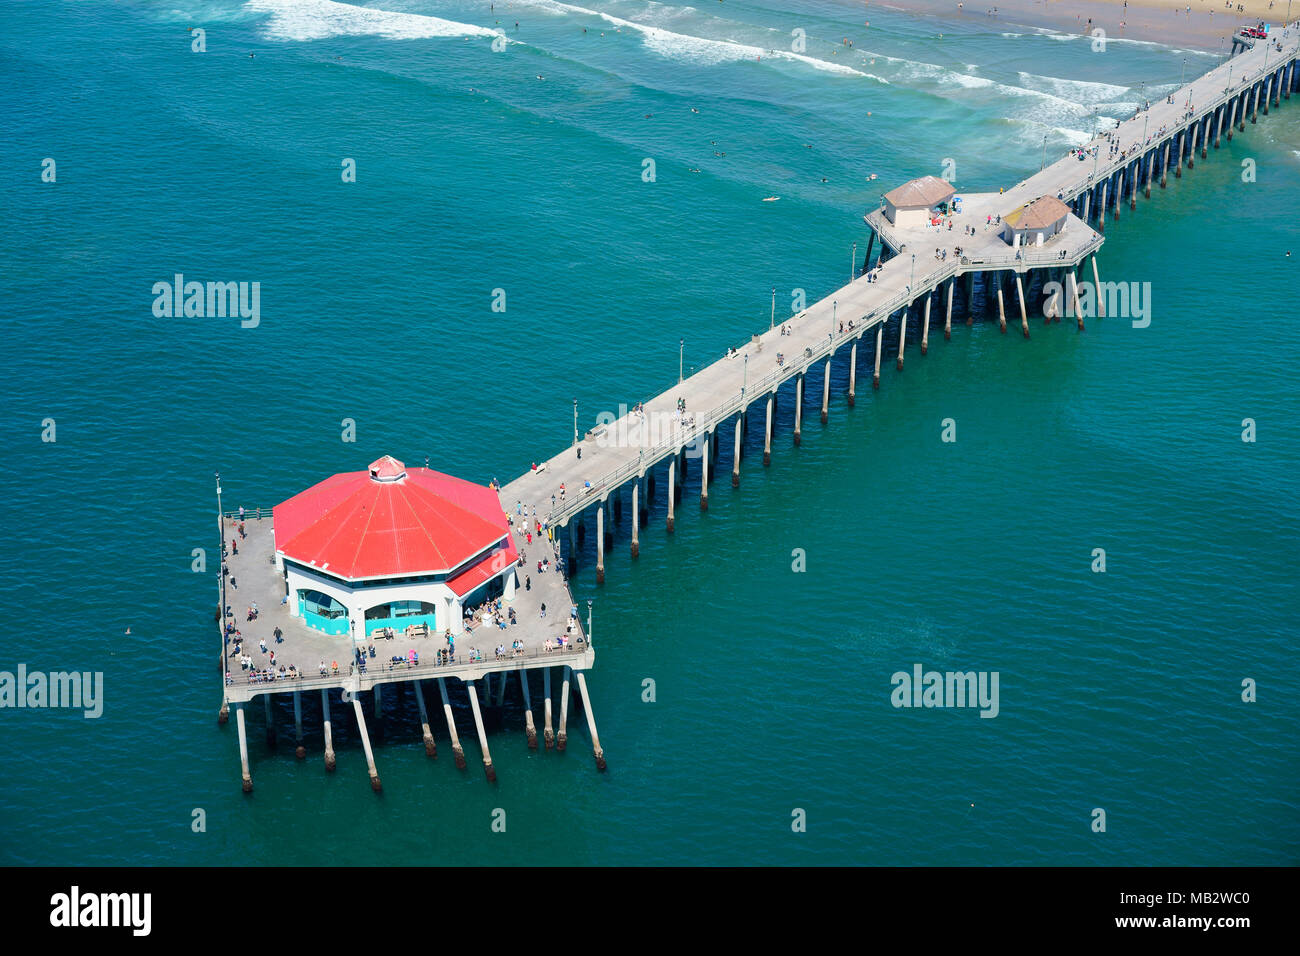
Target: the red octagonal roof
(388, 522)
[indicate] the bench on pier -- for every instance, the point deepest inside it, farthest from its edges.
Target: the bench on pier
(417, 630)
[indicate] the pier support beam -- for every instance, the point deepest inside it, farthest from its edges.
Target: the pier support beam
(591, 723)
(767, 434)
(600, 543)
(798, 408)
(1074, 291)
(1254, 104)
(1101, 210)
(1203, 134)
(430, 747)
(853, 373)
(1151, 169)
(270, 721)
(902, 334)
(1232, 116)
(704, 475)
(329, 735)
(1178, 169)
(299, 750)
(379, 713)
(735, 458)
(375, 785)
(826, 391)
(529, 729)
(1024, 313)
(246, 777)
(548, 735)
(1002, 312)
(1164, 166)
(1119, 195)
(1087, 204)
(947, 315)
(223, 714)
(1096, 288)
(1218, 123)
(875, 375)
(501, 690)
(482, 734)
(636, 522)
(672, 497)
(925, 323)
(457, 751)
(562, 736)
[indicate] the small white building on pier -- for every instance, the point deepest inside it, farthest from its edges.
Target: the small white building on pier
(1035, 222)
(917, 201)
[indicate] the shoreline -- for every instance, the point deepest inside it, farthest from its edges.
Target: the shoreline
(1206, 29)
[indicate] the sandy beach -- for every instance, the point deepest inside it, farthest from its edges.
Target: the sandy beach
(1193, 24)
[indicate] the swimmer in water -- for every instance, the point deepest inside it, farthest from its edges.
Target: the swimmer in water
(694, 110)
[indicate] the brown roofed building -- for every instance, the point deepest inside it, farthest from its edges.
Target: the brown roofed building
(1035, 222)
(914, 202)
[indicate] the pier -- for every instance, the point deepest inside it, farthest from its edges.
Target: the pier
(1024, 251)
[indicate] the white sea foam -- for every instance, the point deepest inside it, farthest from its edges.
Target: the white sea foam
(689, 48)
(1081, 91)
(321, 19)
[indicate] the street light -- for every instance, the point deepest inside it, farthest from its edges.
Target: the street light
(681, 346)
(913, 282)
(853, 262)
(771, 325)
(834, 305)
(575, 424)
(744, 382)
(1043, 165)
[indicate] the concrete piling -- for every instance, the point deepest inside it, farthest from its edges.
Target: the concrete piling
(947, 316)
(826, 391)
(902, 334)
(735, 459)
(704, 475)
(247, 778)
(548, 735)
(299, 750)
(329, 734)
(600, 543)
(562, 734)
(853, 373)
(1101, 210)
(488, 769)
(798, 408)
(1024, 314)
(430, 746)
(672, 497)
(1074, 289)
(591, 723)
(925, 323)
(270, 721)
(457, 751)
(875, 375)
(767, 434)
(636, 519)
(529, 729)
(1096, 288)
(375, 785)
(1002, 312)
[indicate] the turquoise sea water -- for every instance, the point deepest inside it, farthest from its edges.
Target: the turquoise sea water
(1119, 691)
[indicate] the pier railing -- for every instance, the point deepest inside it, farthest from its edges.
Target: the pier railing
(386, 671)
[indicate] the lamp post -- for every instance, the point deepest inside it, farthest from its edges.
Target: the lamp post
(681, 345)
(575, 423)
(913, 282)
(834, 306)
(589, 622)
(1043, 164)
(771, 325)
(744, 382)
(853, 262)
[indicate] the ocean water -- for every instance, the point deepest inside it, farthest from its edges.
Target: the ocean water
(522, 169)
